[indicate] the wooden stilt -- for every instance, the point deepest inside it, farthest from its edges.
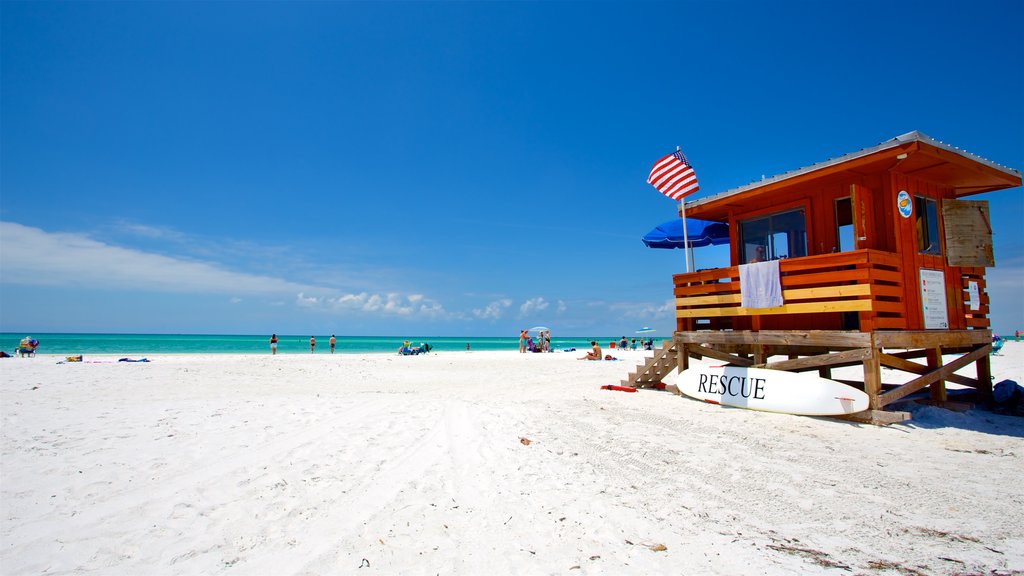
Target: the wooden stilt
(937, 389)
(873, 379)
(984, 368)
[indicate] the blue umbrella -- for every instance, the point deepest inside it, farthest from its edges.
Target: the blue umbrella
(701, 232)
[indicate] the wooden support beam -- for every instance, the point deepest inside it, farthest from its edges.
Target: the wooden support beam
(897, 362)
(906, 339)
(877, 417)
(723, 356)
(937, 389)
(984, 368)
(873, 379)
(935, 375)
(848, 357)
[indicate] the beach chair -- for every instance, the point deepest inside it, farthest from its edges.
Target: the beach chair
(997, 344)
(27, 347)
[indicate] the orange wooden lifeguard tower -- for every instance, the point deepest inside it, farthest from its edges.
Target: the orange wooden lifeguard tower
(880, 261)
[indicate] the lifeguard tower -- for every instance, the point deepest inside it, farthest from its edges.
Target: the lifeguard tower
(881, 262)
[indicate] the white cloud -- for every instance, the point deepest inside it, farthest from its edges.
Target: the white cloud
(532, 305)
(562, 307)
(36, 257)
(389, 304)
(306, 301)
(494, 310)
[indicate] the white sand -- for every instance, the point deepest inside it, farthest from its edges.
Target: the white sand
(413, 465)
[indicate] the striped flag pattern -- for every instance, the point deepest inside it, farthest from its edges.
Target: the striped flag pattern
(673, 176)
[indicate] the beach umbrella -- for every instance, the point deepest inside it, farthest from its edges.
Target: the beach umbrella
(701, 232)
(645, 330)
(538, 329)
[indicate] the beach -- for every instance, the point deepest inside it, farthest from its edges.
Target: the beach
(480, 463)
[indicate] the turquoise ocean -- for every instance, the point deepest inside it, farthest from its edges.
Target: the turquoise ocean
(73, 344)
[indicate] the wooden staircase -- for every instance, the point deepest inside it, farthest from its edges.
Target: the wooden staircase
(654, 368)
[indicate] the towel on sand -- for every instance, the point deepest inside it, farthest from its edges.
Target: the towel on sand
(760, 286)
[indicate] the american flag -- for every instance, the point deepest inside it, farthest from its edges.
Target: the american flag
(673, 176)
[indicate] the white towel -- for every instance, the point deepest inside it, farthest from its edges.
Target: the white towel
(760, 286)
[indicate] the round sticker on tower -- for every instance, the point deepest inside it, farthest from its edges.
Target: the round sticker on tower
(903, 204)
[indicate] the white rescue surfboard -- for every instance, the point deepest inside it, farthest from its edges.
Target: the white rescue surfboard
(800, 393)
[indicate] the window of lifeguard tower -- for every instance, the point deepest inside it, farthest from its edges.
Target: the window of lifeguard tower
(926, 214)
(844, 225)
(773, 237)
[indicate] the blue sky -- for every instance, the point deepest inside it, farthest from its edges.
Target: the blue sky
(444, 168)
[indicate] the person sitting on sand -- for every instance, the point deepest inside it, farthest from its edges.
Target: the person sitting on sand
(594, 354)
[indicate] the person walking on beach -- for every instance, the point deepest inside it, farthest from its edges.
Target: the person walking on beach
(273, 343)
(333, 341)
(522, 341)
(312, 344)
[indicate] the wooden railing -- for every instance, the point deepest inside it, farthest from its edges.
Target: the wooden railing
(866, 282)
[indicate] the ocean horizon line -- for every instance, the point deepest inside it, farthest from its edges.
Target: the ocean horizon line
(74, 343)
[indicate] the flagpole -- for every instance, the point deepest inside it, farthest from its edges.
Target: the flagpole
(686, 236)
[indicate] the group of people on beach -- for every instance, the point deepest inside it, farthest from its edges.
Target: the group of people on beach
(527, 344)
(634, 344)
(312, 344)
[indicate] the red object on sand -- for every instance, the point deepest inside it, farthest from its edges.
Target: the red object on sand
(619, 388)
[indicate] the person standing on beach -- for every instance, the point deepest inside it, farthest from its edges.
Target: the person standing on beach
(522, 341)
(312, 344)
(333, 341)
(273, 343)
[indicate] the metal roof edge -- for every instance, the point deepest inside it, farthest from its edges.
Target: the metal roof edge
(911, 136)
(994, 165)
